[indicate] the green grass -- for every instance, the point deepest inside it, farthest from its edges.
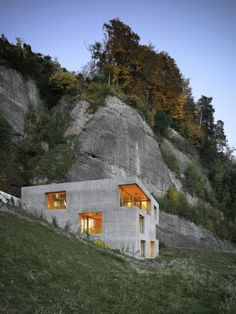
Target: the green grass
(42, 271)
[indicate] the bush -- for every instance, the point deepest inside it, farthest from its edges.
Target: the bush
(47, 126)
(194, 182)
(96, 94)
(64, 82)
(53, 164)
(202, 214)
(171, 162)
(173, 202)
(184, 146)
(101, 244)
(163, 121)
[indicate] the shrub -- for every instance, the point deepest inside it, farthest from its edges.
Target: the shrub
(96, 94)
(54, 222)
(64, 82)
(184, 146)
(194, 182)
(201, 214)
(171, 162)
(101, 244)
(163, 121)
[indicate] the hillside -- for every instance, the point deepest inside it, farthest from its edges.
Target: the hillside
(43, 271)
(130, 112)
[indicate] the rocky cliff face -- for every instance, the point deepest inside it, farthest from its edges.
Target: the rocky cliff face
(16, 94)
(116, 141)
(179, 232)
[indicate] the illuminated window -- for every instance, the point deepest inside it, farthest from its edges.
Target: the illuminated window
(91, 223)
(141, 224)
(132, 195)
(56, 200)
(152, 248)
(142, 248)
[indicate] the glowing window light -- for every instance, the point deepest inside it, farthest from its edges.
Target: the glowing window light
(91, 223)
(56, 200)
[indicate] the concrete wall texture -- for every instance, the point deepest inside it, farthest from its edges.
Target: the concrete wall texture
(120, 225)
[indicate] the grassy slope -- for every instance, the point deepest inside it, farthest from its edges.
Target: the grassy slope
(45, 272)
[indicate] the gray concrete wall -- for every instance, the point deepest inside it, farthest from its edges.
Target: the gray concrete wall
(120, 224)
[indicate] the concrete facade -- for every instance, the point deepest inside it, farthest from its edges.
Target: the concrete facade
(120, 224)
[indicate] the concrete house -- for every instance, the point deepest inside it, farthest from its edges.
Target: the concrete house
(119, 211)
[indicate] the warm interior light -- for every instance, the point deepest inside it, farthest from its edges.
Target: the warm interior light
(56, 200)
(132, 195)
(91, 223)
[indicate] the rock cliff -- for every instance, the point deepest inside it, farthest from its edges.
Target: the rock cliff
(179, 232)
(16, 94)
(116, 141)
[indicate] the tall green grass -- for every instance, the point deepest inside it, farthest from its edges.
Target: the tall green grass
(43, 271)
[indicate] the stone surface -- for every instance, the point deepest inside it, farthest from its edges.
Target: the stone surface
(179, 232)
(16, 94)
(116, 141)
(183, 160)
(79, 117)
(8, 199)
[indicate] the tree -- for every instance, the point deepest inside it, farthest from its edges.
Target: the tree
(64, 82)
(162, 122)
(113, 57)
(220, 137)
(206, 115)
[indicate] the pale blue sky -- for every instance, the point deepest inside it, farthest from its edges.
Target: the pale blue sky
(199, 34)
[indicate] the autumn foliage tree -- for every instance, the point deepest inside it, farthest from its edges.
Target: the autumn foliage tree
(145, 75)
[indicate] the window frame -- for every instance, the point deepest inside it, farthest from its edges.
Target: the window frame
(60, 207)
(141, 224)
(88, 216)
(142, 248)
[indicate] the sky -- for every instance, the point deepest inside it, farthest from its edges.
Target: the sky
(199, 34)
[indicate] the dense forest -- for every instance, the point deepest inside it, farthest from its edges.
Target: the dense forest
(145, 79)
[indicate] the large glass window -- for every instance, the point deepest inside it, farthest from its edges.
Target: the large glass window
(132, 195)
(91, 223)
(56, 200)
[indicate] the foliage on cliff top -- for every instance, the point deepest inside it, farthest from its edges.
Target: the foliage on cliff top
(52, 80)
(46, 272)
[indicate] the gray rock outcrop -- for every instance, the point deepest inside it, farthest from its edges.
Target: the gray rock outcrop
(116, 141)
(183, 160)
(179, 232)
(16, 94)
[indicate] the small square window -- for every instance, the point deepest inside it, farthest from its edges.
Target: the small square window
(56, 200)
